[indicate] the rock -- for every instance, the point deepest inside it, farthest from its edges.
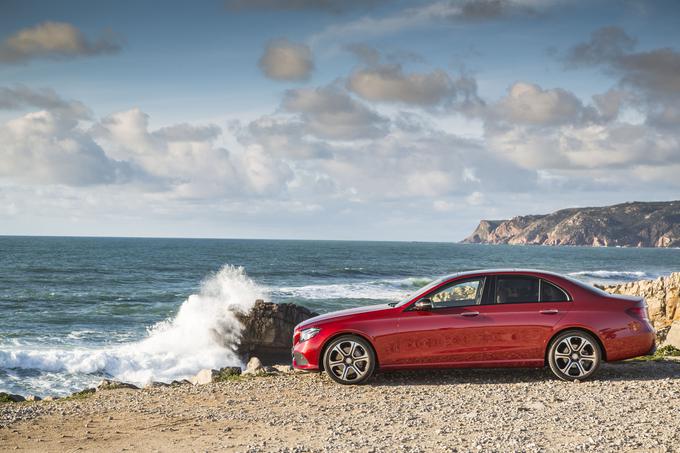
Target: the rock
(50, 398)
(662, 296)
(673, 336)
(33, 398)
(253, 367)
(11, 398)
(106, 384)
(204, 376)
(283, 368)
(268, 330)
(155, 384)
(637, 224)
(179, 383)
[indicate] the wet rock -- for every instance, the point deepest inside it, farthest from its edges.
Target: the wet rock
(268, 330)
(106, 384)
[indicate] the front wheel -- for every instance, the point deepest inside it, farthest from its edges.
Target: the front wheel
(349, 360)
(574, 354)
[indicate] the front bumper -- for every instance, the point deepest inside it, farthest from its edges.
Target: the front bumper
(306, 354)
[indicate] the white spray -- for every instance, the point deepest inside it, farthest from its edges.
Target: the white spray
(203, 334)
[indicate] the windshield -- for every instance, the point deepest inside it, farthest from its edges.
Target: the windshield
(424, 289)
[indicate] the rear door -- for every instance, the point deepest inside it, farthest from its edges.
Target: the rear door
(520, 315)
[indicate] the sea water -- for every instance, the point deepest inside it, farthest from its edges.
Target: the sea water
(75, 310)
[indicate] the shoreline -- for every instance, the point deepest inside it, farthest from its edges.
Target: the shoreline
(417, 411)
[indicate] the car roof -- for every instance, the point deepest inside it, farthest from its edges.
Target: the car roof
(501, 271)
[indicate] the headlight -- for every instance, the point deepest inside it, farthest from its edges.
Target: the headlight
(308, 333)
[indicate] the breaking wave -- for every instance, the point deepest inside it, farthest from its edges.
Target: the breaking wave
(203, 334)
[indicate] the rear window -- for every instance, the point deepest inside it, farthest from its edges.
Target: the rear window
(516, 289)
(551, 293)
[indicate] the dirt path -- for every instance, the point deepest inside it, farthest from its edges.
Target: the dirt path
(631, 406)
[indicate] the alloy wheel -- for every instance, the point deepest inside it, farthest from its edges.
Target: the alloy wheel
(349, 361)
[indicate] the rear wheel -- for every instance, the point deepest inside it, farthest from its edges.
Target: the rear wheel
(349, 360)
(574, 354)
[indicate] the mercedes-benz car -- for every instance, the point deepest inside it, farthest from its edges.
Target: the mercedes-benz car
(490, 318)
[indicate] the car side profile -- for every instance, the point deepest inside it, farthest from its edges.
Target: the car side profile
(490, 318)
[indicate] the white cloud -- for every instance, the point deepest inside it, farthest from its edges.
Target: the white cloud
(46, 148)
(331, 113)
(285, 60)
(54, 40)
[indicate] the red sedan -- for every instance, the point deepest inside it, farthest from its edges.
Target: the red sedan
(492, 318)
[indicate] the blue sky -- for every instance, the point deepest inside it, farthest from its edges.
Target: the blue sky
(334, 120)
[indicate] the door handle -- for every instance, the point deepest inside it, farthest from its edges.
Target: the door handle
(469, 313)
(549, 312)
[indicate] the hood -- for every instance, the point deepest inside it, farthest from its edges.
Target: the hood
(340, 314)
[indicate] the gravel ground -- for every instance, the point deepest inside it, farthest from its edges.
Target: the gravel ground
(630, 406)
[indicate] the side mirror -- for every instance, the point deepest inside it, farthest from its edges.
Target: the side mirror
(423, 304)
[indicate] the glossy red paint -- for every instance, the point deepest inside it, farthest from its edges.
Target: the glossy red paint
(482, 335)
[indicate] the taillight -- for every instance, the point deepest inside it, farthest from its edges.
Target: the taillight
(638, 313)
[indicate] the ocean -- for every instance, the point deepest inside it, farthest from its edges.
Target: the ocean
(75, 310)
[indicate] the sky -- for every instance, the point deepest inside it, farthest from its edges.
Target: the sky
(350, 120)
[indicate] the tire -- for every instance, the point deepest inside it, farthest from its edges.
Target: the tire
(349, 359)
(574, 354)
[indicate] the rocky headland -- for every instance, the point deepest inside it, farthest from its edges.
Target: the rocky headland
(636, 224)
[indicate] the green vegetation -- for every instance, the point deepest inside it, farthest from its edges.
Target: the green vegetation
(661, 354)
(78, 395)
(228, 374)
(5, 398)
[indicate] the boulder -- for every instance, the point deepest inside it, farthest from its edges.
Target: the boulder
(50, 398)
(254, 367)
(673, 336)
(268, 330)
(205, 376)
(106, 384)
(33, 398)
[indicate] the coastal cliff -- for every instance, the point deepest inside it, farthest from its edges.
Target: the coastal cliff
(636, 224)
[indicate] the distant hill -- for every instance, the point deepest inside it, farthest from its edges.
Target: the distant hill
(636, 224)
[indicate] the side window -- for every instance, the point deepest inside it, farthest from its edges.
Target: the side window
(513, 289)
(460, 294)
(551, 293)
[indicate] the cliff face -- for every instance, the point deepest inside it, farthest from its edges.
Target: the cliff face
(662, 296)
(637, 224)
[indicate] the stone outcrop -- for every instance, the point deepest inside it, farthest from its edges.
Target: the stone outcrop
(637, 224)
(107, 384)
(268, 330)
(662, 296)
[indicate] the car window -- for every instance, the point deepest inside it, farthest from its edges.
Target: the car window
(516, 289)
(551, 293)
(459, 294)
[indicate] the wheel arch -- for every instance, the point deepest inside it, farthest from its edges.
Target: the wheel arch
(328, 341)
(582, 329)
